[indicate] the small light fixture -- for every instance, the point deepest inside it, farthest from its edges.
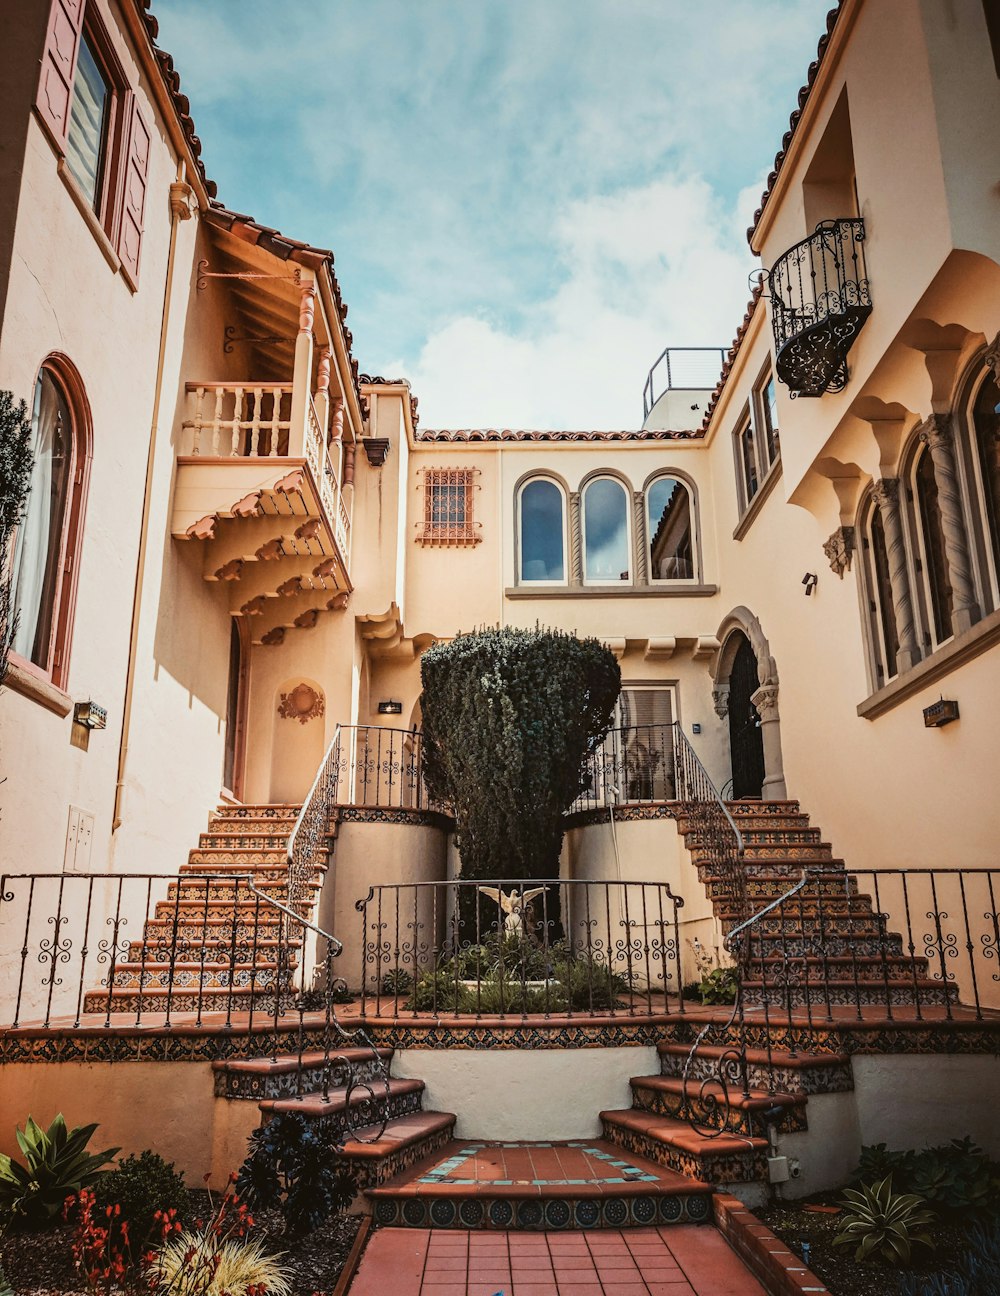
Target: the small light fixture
(90, 715)
(696, 728)
(810, 580)
(390, 708)
(940, 713)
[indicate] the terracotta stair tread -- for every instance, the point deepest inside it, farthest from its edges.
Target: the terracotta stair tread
(679, 1134)
(758, 1099)
(315, 1105)
(288, 1063)
(399, 1133)
(779, 1057)
(662, 1181)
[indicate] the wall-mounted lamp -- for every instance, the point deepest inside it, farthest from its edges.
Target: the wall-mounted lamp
(938, 714)
(390, 708)
(90, 715)
(810, 580)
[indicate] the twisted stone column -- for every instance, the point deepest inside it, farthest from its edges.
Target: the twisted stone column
(935, 433)
(575, 573)
(641, 543)
(886, 493)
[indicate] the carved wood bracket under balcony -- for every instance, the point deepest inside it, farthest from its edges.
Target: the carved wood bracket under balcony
(820, 299)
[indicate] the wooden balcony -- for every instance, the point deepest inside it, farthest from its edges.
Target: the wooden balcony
(260, 481)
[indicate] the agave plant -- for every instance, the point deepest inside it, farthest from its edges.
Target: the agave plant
(57, 1165)
(883, 1223)
(202, 1264)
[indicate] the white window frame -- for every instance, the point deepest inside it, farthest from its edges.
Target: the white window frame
(520, 578)
(672, 475)
(629, 541)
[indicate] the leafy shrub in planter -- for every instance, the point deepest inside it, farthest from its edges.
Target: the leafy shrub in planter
(955, 1177)
(880, 1222)
(141, 1186)
(57, 1166)
(293, 1165)
(978, 1271)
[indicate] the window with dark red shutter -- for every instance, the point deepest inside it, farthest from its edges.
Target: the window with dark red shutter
(134, 204)
(62, 47)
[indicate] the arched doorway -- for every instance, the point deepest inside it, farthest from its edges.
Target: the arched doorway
(745, 693)
(746, 742)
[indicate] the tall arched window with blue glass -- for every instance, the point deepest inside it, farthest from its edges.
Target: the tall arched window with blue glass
(668, 522)
(607, 544)
(542, 533)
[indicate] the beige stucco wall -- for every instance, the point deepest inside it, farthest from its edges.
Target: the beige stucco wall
(387, 855)
(168, 1106)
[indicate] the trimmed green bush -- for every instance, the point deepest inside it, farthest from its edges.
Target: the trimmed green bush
(509, 718)
(141, 1186)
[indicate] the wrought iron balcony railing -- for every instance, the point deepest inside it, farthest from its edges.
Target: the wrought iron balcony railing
(820, 299)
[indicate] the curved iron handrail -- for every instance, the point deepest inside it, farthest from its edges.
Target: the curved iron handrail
(366, 1109)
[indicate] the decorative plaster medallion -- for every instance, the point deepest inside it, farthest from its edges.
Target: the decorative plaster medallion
(302, 704)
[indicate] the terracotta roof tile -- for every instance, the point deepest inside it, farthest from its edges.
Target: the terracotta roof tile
(172, 81)
(544, 434)
(730, 360)
(793, 121)
(286, 249)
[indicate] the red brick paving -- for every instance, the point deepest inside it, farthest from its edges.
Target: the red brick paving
(682, 1260)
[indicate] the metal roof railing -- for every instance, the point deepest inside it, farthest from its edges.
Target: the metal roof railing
(686, 368)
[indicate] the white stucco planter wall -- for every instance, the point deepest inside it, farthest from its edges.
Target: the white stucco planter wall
(919, 1101)
(526, 1093)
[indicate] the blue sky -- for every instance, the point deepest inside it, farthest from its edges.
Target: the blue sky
(527, 199)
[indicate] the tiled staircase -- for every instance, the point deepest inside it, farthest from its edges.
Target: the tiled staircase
(826, 945)
(211, 945)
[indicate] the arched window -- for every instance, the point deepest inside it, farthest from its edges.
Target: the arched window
(46, 549)
(934, 560)
(541, 533)
(983, 470)
(670, 527)
(878, 596)
(606, 542)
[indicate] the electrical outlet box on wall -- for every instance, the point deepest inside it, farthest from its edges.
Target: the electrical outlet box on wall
(79, 840)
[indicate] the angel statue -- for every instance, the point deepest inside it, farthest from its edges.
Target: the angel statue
(513, 905)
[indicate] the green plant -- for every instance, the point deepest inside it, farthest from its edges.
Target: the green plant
(956, 1176)
(5, 1288)
(141, 1186)
(877, 1162)
(57, 1165)
(16, 463)
(397, 981)
(720, 986)
(880, 1222)
(294, 1165)
(509, 718)
(199, 1263)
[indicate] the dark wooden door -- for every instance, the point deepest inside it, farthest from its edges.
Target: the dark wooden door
(746, 743)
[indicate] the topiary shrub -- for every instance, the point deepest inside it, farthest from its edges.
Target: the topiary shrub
(141, 1186)
(509, 718)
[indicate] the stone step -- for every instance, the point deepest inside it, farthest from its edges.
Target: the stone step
(795, 944)
(404, 1141)
(769, 835)
(253, 949)
(221, 911)
(865, 966)
(187, 1000)
(528, 1186)
(845, 992)
(708, 1101)
(209, 858)
(257, 1079)
(264, 811)
(234, 837)
(666, 1141)
(257, 977)
(771, 885)
(215, 933)
(404, 1098)
(189, 888)
(799, 1073)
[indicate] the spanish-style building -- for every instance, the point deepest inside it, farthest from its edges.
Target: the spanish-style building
(238, 546)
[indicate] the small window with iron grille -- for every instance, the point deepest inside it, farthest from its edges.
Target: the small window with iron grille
(448, 507)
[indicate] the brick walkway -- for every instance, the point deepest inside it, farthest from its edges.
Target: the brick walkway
(681, 1260)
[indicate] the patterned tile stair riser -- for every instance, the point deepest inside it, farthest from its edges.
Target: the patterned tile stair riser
(715, 1163)
(257, 1079)
(801, 1075)
(543, 1215)
(649, 1094)
(479, 1185)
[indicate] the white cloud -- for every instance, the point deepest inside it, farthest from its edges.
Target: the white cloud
(662, 264)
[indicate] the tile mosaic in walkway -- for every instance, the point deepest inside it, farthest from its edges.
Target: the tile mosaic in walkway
(682, 1260)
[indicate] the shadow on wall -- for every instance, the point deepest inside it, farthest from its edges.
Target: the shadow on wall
(297, 745)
